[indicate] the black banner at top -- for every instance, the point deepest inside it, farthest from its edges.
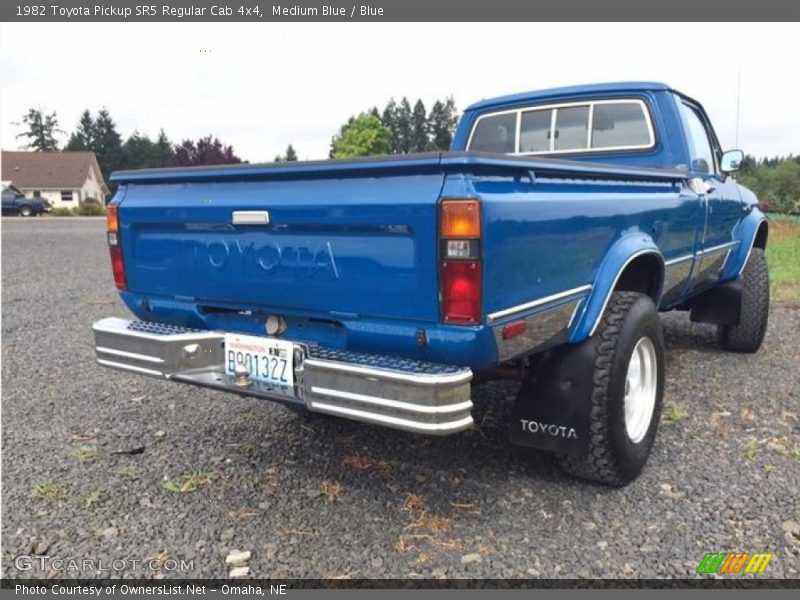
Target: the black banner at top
(397, 10)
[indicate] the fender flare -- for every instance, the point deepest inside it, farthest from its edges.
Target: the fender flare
(746, 234)
(618, 257)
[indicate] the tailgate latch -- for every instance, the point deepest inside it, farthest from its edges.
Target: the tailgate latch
(250, 217)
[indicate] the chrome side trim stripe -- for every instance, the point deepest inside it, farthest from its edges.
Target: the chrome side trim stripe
(680, 259)
(492, 317)
(718, 247)
(386, 403)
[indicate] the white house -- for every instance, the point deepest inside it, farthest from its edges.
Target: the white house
(64, 179)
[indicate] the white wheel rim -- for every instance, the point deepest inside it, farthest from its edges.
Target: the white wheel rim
(640, 389)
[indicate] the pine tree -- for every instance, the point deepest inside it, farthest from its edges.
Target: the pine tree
(163, 149)
(389, 120)
(83, 137)
(291, 154)
(107, 143)
(419, 128)
(41, 130)
(403, 128)
(442, 123)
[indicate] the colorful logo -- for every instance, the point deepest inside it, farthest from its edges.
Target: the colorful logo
(729, 563)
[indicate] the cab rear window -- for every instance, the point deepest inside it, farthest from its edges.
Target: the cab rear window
(597, 126)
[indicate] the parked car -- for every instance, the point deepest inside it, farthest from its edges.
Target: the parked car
(15, 203)
(540, 248)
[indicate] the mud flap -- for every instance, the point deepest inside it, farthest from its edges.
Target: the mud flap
(551, 411)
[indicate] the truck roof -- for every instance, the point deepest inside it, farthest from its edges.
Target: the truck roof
(595, 88)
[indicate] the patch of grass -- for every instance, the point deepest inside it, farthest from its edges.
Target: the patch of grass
(85, 454)
(89, 500)
(51, 491)
(796, 451)
(783, 258)
(750, 449)
(127, 472)
(674, 414)
(62, 211)
(188, 483)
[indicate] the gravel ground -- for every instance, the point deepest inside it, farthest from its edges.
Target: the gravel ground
(316, 497)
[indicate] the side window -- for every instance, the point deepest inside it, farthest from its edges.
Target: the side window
(701, 150)
(495, 133)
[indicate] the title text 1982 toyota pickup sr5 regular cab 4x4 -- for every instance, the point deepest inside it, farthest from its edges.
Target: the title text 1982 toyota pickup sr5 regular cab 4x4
(540, 247)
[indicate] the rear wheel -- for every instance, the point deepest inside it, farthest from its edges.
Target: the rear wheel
(627, 392)
(25, 211)
(748, 335)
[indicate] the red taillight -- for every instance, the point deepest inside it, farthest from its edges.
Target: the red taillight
(112, 233)
(118, 267)
(460, 252)
(461, 291)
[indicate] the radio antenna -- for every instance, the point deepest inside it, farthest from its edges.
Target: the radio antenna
(738, 96)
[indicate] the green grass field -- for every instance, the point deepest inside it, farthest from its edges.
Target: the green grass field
(783, 257)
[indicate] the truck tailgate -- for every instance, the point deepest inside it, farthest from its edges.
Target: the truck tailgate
(363, 244)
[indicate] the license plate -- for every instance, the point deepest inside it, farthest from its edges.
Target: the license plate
(266, 359)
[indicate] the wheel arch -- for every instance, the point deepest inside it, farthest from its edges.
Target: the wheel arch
(753, 232)
(633, 264)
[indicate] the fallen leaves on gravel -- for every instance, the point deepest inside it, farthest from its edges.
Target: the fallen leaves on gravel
(433, 523)
(362, 462)
(331, 489)
(159, 558)
(413, 502)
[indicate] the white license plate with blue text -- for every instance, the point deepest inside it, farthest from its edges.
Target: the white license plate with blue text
(266, 359)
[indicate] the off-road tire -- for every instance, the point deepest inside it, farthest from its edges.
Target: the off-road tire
(613, 459)
(748, 335)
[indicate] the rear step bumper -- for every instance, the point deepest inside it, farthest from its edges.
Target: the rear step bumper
(404, 394)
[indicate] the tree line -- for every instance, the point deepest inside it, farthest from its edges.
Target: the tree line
(98, 133)
(398, 129)
(776, 181)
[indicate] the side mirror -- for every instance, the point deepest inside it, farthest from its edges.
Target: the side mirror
(731, 161)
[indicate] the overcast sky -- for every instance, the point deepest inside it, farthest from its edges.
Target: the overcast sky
(260, 87)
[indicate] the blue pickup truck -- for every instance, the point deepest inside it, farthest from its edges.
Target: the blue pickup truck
(540, 248)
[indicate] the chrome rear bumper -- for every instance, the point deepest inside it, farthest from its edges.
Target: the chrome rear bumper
(404, 394)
